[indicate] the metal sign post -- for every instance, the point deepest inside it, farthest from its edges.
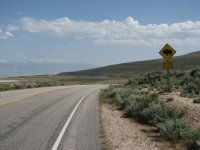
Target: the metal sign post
(167, 52)
(168, 80)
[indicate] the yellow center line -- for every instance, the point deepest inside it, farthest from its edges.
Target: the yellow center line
(18, 99)
(24, 97)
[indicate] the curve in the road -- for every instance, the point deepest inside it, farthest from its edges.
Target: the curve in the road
(59, 138)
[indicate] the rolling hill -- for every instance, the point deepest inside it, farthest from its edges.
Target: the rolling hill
(127, 70)
(119, 73)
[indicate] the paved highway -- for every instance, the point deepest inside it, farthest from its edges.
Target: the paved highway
(63, 118)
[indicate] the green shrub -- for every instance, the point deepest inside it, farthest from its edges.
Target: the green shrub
(4, 87)
(18, 86)
(165, 88)
(138, 107)
(159, 112)
(112, 92)
(180, 74)
(196, 100)
(131, 83)
(194, 134)
(109, 89)
(132, 109)
(120, 96)
(191, 137)
(151, 113)
(136, 104)
(42, 84)
(29, 86)
(172, 129)
(190, 84)
(119, 101)
(195, 73)
(150, 78)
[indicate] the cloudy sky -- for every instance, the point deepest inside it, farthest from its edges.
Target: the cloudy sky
(96, 32)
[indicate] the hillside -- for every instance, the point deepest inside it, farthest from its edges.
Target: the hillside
(110, 74)
(124, 70)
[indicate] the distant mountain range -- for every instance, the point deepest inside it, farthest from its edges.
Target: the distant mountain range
(126, 70)
(9, 69)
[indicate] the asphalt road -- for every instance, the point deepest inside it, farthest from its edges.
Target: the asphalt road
(50, 118)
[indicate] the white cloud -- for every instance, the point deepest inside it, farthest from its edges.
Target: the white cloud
(6, 32)
(127, 31)
(60, 27)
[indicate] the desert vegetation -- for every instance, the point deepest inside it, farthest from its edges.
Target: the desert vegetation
(25, 85)
(52, 80)
(187, 83)
(138, 99)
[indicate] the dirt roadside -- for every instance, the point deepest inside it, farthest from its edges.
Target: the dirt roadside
(126, 134)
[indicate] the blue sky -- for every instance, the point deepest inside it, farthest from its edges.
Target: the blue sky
(96, 32)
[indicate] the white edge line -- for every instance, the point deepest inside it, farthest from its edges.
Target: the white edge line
(59, 138)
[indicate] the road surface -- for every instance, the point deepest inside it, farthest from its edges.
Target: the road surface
(60, 118)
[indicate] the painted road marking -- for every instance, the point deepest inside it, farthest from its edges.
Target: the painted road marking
(24, 97)
(59, 138)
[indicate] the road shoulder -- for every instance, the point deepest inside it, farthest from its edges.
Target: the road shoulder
(123, 133)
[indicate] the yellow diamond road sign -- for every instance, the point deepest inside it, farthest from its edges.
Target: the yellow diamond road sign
(168, 65)
(167, 52)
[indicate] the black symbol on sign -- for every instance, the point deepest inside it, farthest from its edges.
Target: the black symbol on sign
(167, 52)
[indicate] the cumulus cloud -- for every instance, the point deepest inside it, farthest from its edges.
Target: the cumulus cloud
(6, 32)
(127, 31)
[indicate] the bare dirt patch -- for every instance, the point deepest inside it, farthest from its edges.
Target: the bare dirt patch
(126, 134)
(192, 109)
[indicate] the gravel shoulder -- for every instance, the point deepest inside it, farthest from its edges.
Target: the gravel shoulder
(126, 134)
